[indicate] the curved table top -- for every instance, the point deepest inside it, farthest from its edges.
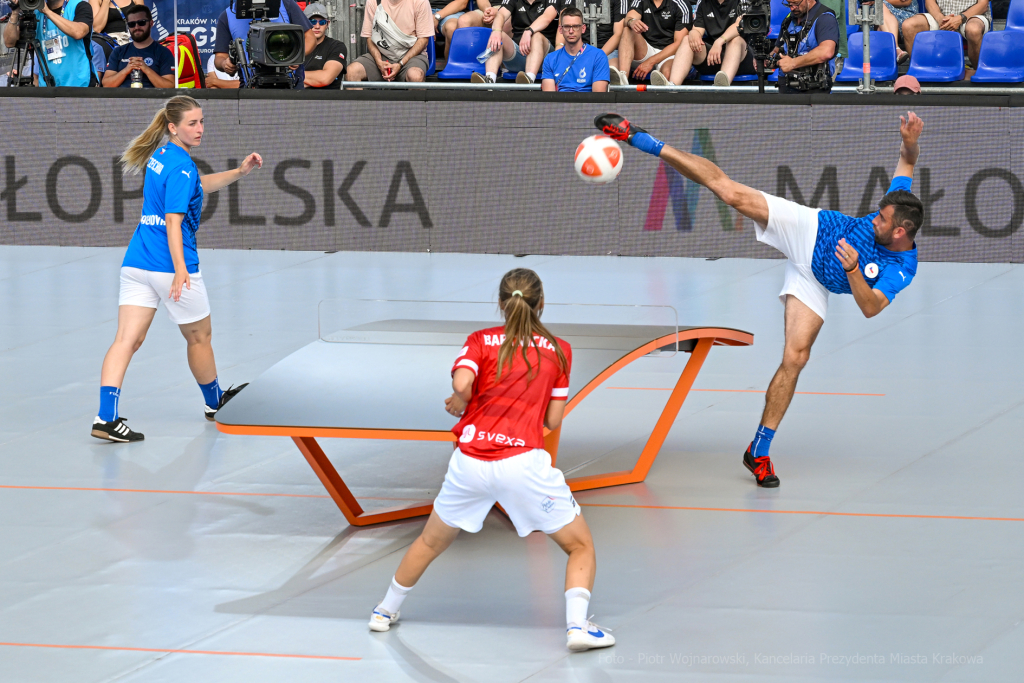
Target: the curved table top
(392, 375)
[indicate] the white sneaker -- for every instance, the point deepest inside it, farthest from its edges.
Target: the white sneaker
(381, 619)
(658, 78)
(721, 80)
(593, 636)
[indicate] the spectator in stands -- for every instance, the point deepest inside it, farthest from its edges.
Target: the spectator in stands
(67, 43)
(575, 67)
(534, 27)
(815, 30)
(153, 61)
(230, 28)
(446, 18)
(609, 35)
(656, 31)
(484, 15)
(906, 85)
(111, 17)
(972, 20)
(217, 79)
(397, 33)
(326, 62)
(894, 13)
(713, 45)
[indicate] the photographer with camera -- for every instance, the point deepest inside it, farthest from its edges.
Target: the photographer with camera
(806, 48)
(230, 28)
(64, 44)
(153, 62)
(714, 46)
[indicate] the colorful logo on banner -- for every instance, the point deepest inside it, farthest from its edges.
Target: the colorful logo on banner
(198, 17)
(672, 188)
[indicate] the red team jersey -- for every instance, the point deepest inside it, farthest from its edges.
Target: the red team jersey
(506, 419)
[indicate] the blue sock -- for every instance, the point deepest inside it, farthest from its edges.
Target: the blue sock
(211, 393)
(108, 403)
(647, 143)
(762, 441)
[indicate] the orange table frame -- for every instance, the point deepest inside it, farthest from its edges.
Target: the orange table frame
(305, 437)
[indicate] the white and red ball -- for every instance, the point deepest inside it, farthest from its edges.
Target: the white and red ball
(598, 159)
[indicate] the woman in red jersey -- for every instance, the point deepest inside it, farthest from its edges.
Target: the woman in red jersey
(509, 383)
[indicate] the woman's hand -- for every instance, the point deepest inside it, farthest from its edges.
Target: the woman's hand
(180, 278)
(250, 162)
(455, 405)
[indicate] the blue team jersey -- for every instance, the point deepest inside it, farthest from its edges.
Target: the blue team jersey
(171, 186)
(576, 76)
(890, 271)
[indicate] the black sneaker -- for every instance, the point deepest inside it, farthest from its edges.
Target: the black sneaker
(617, 128)
(211, 413)
(115, 431)
(762, 470)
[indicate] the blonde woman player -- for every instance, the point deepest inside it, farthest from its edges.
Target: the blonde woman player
(162, 263)
(509, 384)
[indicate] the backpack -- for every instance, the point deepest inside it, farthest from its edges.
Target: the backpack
(186, 57)
(106, 42)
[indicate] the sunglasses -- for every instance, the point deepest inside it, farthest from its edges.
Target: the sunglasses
(318, 22)
(133, 24)
(572, 27)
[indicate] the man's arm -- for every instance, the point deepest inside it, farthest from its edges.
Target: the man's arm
(932, 8)
(599, 86)
(871, 301)
(72, 29)
(910, 131)
(818, 55)
(219, 83)
(114, 77)
(325, 76)
(633, 22)
(613, 43)
(12, 30)
(548, 85)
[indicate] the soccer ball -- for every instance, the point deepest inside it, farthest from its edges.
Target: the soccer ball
(598, 159)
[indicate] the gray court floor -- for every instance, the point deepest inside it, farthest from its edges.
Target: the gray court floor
(892, 551)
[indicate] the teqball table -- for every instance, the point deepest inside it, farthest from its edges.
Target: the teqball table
(355, 383)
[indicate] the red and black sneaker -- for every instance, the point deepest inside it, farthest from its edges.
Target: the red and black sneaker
(762, 469)
(617, 127)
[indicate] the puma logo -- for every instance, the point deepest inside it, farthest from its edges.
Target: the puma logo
(187, 174)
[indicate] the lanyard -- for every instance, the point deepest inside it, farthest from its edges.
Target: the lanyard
(560, 78)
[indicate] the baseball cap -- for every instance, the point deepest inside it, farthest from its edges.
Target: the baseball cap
(907, 81)
(315, 9)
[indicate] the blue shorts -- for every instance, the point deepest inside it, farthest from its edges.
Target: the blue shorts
(516, 62)
(444, 21)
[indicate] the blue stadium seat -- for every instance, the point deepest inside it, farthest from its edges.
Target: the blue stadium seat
(467, 43)
(938, 57)
(779, 12)
(740, 78)
(431, 57)
(851, 29)
(1015, 17)
(1001, 59)
(883, 58)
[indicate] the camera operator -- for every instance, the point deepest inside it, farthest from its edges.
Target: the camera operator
(230, 28)
(806, 48)
(326, 62)
(66, 43)
(153, 61)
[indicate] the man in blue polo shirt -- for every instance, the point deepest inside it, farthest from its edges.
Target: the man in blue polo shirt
(873, 257)
(576, 67)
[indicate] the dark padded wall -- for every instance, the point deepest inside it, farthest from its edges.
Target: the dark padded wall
(496, 176)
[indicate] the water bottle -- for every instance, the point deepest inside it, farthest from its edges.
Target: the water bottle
(484, 56)
(136, 78)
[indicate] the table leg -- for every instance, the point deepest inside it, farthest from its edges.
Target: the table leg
(661, 428)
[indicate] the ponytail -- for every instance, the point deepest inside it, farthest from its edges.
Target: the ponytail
(139, 150)
(521, 294)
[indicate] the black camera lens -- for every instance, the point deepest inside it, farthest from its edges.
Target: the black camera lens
(283, 46)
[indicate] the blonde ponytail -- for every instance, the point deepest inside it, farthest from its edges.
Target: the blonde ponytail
(521, 294)
(139, 150)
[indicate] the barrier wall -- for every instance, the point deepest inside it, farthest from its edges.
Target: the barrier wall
(420, 172)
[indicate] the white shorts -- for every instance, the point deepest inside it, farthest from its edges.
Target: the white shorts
(148, 288)
(651, 50)
(793, 229)
(532, 492)
(934, 25)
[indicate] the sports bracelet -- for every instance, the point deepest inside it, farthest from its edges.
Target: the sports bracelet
(855, 267)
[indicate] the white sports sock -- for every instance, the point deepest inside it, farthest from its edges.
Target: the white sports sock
(492, 76)
(392, 602)
(577, 600)
(532, 77)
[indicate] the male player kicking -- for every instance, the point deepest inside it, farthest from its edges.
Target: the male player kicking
(873, 257)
